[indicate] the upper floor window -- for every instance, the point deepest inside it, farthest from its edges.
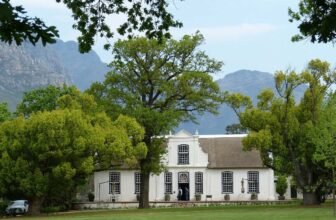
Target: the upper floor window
(227, 182)
(137, 182)
(183, 154)
(168, 179)
(198, 183)
(253, 181)
(114, 183)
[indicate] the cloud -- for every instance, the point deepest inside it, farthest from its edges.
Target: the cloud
(233, 32)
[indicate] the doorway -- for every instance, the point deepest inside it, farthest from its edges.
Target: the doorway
(185, 194)
(183, 186)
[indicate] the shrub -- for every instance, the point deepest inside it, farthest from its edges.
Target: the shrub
(167, 197)
(281, 185)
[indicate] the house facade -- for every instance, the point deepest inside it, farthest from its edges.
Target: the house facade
(204, 166)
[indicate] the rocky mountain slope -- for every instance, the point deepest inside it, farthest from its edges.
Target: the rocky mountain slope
(243, 81)
(26, 67)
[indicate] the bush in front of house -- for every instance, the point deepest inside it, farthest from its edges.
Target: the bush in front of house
(281, 187)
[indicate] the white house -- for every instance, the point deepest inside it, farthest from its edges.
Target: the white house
(209, 165)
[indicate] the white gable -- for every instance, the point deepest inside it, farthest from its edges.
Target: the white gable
(197, 158)
(183, 134)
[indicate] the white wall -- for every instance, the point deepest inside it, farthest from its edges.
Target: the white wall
(198, 162)
(211, 185)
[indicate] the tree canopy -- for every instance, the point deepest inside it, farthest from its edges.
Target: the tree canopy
(316, 20)
(16, 26)
(160, 84)
(4, 112)
(43, 99)
(150, 17)
(282, 129)
(51, 152)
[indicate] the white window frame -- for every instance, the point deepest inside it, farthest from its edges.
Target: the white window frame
(168, 181)
(227, 182)
(198, 182)
(137, 182)
(253, 181)
(183, 154)
(114, 183)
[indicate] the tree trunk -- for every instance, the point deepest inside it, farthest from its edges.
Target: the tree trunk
(310, 198)
(144, 191)
(35, 206)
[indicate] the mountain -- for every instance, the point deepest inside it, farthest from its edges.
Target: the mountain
(22, 69)
(246, 82)
(25, 67)
(84, 69)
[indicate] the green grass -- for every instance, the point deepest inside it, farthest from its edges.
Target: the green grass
(279, 212)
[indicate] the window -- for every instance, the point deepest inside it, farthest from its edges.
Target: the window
(198, 183)
(168, 179)
(183, 154)
(227, 182)
(253, 181)
(137, 182)
(114, 183)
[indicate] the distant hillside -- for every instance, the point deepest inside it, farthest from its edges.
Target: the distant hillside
(84, 69)
(243, 81)
(23, 68)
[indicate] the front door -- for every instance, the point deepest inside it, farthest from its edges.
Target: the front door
(183, 186)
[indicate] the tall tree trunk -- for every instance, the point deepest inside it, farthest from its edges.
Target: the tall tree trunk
(144, 191)
(310, 198)
(35, 206)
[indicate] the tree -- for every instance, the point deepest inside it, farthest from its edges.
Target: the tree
(281, 129)
(16, 26)
(149, 16)
(52, 152)
(43, 99)
(4, 112)
(317, 20)
(324, 136)
(235, 129)
(159, 84)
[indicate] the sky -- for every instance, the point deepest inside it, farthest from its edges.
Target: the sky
(244, 34)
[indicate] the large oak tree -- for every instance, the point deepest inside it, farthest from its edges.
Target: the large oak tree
(281, 128)
(160, 84)
(50, 152)
(150, 17)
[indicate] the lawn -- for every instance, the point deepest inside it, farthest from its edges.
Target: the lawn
(280, 212)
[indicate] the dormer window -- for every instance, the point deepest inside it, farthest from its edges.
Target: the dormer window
(183, 154)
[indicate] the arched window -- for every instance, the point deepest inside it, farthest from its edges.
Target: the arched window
(183, 154)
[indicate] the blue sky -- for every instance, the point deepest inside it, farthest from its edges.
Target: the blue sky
(244, 34)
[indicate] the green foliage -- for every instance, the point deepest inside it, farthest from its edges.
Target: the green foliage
(323, 136)
(16, 26)
(43, 99)
(235, 129)
(159, 84)
(51, 152)
(4, 112)
(316, 20)
(284, 129)
(150, 17)
(281, 185)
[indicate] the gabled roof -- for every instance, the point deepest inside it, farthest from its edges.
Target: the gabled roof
(227, 152)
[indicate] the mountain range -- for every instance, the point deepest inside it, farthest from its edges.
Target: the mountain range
(25, 67)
